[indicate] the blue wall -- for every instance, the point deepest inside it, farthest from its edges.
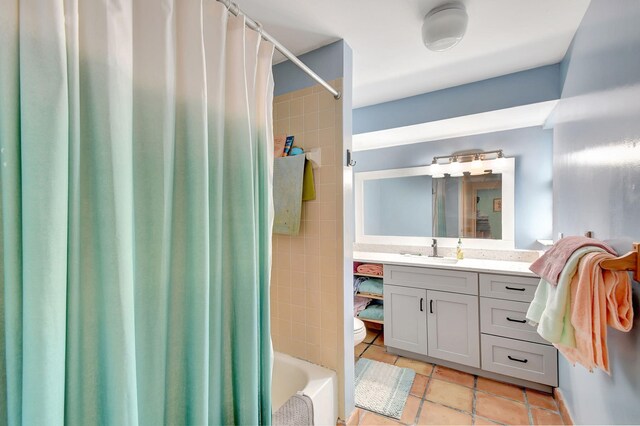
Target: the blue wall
(328, 62)
(532, 148)
(597, 185)
(521, 88)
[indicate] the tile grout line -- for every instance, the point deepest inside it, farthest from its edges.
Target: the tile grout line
(473, 403)
(526, 402)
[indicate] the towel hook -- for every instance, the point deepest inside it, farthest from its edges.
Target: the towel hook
(350, 161)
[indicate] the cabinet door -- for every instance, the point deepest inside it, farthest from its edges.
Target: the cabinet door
(405, 318)
(453, 327)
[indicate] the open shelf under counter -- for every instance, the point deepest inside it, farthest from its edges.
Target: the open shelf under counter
(358, 274)
(371, 320)
(370, 295)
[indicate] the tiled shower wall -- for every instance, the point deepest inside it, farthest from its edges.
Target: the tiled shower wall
(306, 284)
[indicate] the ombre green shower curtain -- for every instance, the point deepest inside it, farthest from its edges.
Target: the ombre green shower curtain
(135, 216)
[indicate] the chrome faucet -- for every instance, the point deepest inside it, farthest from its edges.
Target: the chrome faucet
(434, 246)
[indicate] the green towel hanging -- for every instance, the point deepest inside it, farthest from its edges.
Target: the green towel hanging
(308, 185)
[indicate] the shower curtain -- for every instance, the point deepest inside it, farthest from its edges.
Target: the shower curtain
(135, 180)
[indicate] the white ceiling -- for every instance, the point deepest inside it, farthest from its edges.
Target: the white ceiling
(390, 62)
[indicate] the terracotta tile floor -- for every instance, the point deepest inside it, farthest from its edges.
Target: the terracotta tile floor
(440, 395)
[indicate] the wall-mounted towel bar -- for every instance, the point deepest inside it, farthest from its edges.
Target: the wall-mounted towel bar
(628, 262)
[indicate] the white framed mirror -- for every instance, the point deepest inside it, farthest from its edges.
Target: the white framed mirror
(409, 207)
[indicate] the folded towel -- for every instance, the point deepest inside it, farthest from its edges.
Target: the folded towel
(551, 304)
(373, 311)
(371, 285)
(598, 297)
(359, 304)
(550, 264)
(356, 283)
(370, 268)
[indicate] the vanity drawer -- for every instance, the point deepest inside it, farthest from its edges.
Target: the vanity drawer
(524, 360)
(508, 287)
(432, 279)
(507, 318)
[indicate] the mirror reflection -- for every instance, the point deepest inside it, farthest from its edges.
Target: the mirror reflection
(399, 206)
(468, 206)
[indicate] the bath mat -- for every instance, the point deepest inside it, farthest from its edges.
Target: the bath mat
(382, 388)
(297, 411)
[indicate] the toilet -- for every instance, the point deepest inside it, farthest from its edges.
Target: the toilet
(359, 331)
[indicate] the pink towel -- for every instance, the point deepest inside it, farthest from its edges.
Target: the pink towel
(370, 268)
(550, 264)
(598, 298)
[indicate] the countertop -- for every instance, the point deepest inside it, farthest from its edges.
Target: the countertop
(473, 265)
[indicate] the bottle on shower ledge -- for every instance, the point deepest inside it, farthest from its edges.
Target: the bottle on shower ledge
(459, 253)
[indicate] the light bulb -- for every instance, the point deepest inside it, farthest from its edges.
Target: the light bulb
(455, 168)
(436, 170)
(477, 166)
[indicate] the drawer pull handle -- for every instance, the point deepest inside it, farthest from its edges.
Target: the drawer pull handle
(514, 288)
(421, 302)
(516, 320)
(524, 361)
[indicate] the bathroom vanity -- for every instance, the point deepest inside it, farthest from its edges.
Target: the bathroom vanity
(468, 315)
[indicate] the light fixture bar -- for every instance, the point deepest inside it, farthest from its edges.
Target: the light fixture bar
(469, 155)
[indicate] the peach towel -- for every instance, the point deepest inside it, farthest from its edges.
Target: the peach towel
(370, 268)
(598, 297)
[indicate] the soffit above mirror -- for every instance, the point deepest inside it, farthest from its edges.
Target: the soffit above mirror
(474, 124)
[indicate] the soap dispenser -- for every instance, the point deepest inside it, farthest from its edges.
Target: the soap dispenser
(459, 254)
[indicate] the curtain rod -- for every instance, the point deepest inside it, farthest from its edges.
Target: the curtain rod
(255, 25)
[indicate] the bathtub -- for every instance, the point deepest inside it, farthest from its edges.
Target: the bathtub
(291, 375)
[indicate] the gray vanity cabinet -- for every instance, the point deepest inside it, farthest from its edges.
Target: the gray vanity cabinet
(473, 321)
(440, 305)
(405, 318)
(453, 327)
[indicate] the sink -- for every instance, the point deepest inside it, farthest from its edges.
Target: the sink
(441, 260)
(433, 260)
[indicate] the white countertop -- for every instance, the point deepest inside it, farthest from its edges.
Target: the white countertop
(474, 265)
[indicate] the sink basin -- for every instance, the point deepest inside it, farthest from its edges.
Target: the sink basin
(441, 260)
(433, 260)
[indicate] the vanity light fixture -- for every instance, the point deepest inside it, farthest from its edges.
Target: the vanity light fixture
(468, 162)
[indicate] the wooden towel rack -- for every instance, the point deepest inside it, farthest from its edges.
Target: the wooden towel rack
(628, 262)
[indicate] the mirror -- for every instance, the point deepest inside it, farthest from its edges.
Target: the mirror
(467, 206)
(398, 206)
(408, 207)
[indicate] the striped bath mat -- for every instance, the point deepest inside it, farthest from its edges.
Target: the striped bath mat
(382, 388)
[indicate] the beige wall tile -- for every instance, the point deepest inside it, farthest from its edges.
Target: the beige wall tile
(307, 268)
(311, 104)
(284, 294)
(311, 139)
(310, 121)
(281, 110)
(296, 126)
(296, 107)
